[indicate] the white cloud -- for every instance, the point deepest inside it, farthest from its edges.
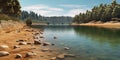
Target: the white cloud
(74, 12)
(72, 6)
(43, 9)
(46, 10)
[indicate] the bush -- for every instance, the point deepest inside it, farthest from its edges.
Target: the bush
(28, 22)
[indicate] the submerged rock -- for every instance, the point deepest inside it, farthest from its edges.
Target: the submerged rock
(55, 37)
(66, 48)
(52, 44)
(4, 53)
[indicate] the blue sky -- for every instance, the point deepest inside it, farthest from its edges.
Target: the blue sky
(60, 7)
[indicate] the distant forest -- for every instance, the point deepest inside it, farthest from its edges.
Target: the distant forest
(49, 20)
(103, 13)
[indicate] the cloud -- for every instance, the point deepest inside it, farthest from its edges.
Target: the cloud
(46, 10)
(43, 9)
(72, 6)
(74, 12)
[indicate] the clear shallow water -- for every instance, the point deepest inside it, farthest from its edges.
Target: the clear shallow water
(88, 43)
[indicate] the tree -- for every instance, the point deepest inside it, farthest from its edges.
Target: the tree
(116, 12)
(10, 7)
(103, 13)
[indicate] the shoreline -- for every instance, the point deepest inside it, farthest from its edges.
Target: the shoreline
(28, 35)
(102, 25)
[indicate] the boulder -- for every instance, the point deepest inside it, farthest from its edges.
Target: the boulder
(29, 54)
(18, 56)
(4, 53)
(22, 43)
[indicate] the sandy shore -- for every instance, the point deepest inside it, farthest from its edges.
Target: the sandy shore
(103, 25)
(24, 33)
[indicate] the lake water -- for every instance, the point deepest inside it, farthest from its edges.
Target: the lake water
(87, 43)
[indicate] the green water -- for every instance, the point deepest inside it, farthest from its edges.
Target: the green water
(87, 43)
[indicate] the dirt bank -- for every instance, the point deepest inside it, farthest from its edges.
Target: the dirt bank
(110, 25)
(13, 32)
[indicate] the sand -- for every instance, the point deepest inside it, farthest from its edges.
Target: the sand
(102, 25)
(10, 38)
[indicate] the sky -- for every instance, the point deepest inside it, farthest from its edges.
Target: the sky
(60, 7)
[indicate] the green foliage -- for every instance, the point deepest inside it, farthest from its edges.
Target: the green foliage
(51, 20)
(103, 13)
(28, 22)
(10, 7)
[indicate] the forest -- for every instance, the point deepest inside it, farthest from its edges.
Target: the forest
(103, 13)
(49, 20)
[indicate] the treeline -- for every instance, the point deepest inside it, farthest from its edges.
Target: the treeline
(59, 20)
(10, 7)
(30, 15)
(103, 13)
(49, 20)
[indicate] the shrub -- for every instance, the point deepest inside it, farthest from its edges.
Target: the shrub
(28, 22)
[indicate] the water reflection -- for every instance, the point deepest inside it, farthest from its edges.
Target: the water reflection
(90, 43)
(100, 34)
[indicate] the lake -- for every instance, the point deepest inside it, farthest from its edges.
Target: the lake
(87, 43)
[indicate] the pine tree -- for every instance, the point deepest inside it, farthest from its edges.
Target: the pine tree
(116, 12)
(10, 7)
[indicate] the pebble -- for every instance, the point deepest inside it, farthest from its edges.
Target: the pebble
(16, 46)
(46, 44)
(4, 47)
(22, 43)
(18, 56)
(66, 48)
(53, 58)
(29, 54)
(61, 56)
(37, 42)
(44, 50)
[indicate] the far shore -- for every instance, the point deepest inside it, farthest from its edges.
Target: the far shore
(110, 25)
